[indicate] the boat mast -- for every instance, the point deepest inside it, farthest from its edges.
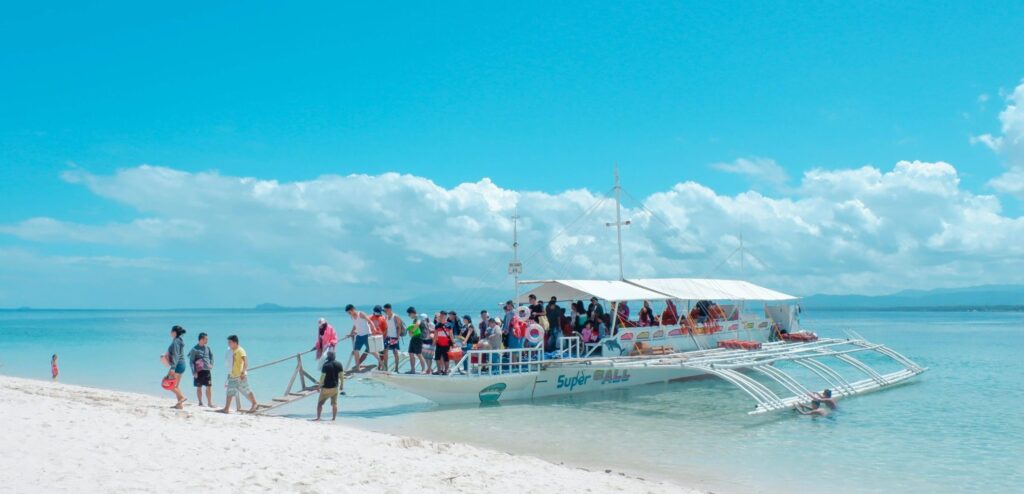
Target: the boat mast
(515, 268)
(618, 220)
(742, 255)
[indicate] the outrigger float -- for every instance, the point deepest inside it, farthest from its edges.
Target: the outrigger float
(767, 355)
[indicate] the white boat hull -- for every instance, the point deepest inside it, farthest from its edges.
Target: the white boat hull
(554, 380)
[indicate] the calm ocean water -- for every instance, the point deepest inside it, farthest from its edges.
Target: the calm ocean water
(957, 428)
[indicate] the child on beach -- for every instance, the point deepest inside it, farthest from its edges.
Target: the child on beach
(53, 367)
(238, 384)
(202, 362)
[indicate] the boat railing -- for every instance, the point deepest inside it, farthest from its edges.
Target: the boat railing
(570, 347)
(497, 362)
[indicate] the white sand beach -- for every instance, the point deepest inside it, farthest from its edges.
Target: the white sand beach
(63, 438)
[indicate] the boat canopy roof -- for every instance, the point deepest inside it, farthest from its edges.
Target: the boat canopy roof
(710, 289)
(653, 289)
(584, 289)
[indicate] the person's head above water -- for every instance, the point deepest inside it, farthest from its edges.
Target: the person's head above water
(177, 331)
(827, 393)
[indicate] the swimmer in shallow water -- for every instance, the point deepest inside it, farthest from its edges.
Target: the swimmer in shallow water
(825, 397)
(814, 409)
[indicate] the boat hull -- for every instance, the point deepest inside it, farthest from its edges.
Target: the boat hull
(556, 380)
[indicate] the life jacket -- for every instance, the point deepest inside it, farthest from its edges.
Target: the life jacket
(519, 328)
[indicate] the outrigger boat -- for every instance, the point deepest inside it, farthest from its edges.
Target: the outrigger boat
(735, 349)
(767, 355)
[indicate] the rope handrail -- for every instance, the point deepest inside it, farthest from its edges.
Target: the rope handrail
(268, 364)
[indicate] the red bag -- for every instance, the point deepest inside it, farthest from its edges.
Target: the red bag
(441, 337)
(519, 328)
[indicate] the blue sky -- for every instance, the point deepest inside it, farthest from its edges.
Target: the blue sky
(536, 97)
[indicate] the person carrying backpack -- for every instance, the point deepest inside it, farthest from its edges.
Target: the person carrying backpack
(201, 358)
(442, 343)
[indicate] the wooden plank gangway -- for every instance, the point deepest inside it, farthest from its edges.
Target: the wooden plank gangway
(307, 384)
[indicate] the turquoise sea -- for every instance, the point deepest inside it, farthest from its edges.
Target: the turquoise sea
(957, 428)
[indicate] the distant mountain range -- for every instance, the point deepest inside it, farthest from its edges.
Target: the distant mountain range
(985, 297)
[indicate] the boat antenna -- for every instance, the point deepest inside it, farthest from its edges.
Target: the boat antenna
(515, 268)
(618, 219)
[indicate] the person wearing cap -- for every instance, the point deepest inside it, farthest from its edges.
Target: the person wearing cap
(360, 334)
(379, 326)
(326, 339)
(331, 381)
(506, 322)
(395, 326)
(416, 330)
(494, 333)
(443, 340)
(428, 326)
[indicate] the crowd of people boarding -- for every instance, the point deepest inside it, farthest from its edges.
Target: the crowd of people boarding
(433, 341)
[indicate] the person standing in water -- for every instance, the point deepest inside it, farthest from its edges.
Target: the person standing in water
(176, 361)
(238, 382)
(814, 410)
(53, 367)
(202, 364)
(331, 381)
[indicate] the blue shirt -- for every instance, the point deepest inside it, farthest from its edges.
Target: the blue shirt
(506, 322)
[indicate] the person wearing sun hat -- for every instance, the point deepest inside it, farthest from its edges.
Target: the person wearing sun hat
(326, 340)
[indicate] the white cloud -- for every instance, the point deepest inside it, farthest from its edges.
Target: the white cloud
(757, 170)
(1009, 145)
(146, 231)
(209, 239)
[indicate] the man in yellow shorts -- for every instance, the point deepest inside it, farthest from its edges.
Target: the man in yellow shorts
(331, 382)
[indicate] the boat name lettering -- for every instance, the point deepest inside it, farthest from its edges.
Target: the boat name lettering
(579, 379)
(610, 376)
